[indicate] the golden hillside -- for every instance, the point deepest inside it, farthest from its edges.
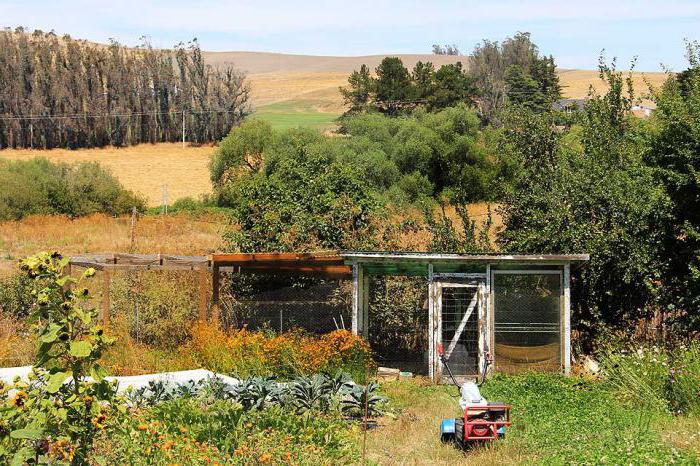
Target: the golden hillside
(277, 77)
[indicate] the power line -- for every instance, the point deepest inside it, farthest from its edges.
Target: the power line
(112, 115)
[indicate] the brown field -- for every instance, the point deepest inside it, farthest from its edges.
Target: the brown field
(277, 77)
(144, 168)
(173, 234)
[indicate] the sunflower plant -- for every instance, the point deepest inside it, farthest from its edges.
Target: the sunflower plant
(54, 416)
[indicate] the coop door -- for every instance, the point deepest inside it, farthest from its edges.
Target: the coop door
(459, 328)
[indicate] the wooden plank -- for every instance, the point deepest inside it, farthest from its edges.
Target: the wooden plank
(275, 257)
(104, 311)
(462, 324)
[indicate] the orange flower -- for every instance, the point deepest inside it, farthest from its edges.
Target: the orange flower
(265, 458)
(142, 427)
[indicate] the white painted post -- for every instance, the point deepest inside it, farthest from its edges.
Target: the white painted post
(365, 305)
(481, 325)
(567, 319)
(355, 298)
(488, 319)
(431, 324)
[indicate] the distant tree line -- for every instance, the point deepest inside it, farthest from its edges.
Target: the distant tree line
(61, 92)
(447, 49)
(497, 74)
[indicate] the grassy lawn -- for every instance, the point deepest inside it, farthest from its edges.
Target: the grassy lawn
(291, 114)
(556, 421)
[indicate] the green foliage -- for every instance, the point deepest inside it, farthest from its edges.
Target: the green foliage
(675, 151)
(513, 72)
(396, 91)
(561, 420)
(655, 378)
(158, 309)
(242, 150)
(204, 431)
(39, 186)
(360, 90)
(57, 415)
(601, 199)
(15, 295)
(300, 190)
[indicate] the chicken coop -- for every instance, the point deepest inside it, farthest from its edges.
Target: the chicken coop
(487, 312)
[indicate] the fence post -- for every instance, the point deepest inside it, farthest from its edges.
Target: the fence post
(104, 313)
(202, 295)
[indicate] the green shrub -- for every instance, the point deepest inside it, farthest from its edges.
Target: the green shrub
(15, 295)
(159, 308)
(685, 379)
(39, 186)
(639, 377)
(201, 431)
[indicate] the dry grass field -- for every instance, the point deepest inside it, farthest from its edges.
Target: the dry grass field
(276, 77)
(173, 234)
(144, 168)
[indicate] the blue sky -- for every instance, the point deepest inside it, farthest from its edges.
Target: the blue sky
(574, 33)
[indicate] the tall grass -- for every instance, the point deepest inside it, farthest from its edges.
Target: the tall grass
(656, 378)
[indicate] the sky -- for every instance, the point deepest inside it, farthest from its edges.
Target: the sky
(574, 32)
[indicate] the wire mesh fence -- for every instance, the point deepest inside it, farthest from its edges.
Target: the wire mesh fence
(398, 322)
(460, 329)
(527, 331)
(281, 303)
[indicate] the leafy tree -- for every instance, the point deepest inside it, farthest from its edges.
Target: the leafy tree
(598, 197)
(423, 76)
(394, 89)
(522, 89)
(302, 199)
(513, 71)
(675, 152)
(242, 150)
(452, 86)
(361, 88)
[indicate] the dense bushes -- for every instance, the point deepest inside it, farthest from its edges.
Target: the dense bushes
(244, 354)
(39, 186)
(300, 190)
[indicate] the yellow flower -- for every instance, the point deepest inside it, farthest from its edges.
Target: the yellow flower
(99, 421)
(62, 450)
(20, 399)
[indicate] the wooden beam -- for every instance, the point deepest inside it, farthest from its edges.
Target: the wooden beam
(104, 311)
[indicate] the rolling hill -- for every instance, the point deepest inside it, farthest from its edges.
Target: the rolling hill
(289, 89)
